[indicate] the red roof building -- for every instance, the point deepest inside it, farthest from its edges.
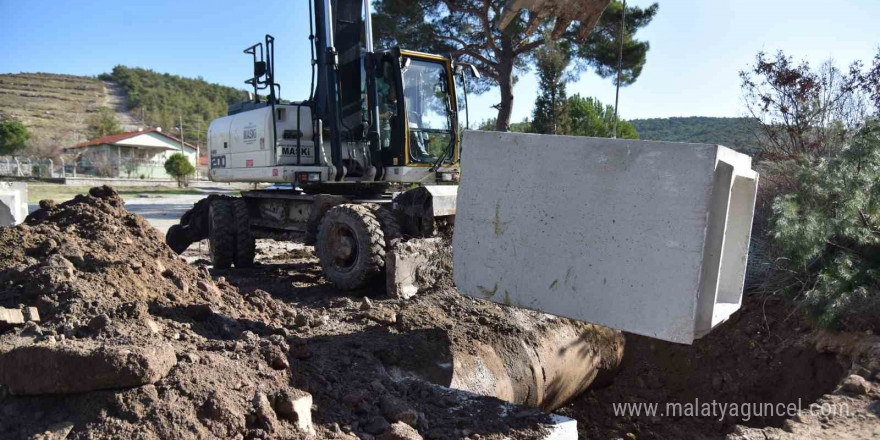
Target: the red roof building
(136, 154)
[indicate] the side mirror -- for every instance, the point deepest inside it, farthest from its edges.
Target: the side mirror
(474, 72)
(459, 70)
(259, 69)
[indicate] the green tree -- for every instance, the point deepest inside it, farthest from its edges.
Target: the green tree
(13, 137)
(551, 112)
(828, 231)
(179, 167)
(103, 123)
(517, 127)
(589, 117)
(470, 31)
(736, 133)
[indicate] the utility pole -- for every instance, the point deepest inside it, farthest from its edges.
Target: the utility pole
(198, 146)
(181, 132)
(620, 36)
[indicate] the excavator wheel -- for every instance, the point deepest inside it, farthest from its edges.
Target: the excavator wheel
(245, 244)
(388, 221)
(221, 233)
(350, 245)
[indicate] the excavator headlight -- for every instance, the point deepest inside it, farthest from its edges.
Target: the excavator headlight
(308, 177)
(448, 177)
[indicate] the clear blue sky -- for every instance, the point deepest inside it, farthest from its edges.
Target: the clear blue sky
(697, 47)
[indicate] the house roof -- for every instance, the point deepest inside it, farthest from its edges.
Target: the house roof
(114, 138)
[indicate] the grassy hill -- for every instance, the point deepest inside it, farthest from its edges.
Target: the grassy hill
(53, 107)
(736, 133)
(161, 99)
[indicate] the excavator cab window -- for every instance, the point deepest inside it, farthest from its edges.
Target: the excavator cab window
(387, 101)
(430, 116)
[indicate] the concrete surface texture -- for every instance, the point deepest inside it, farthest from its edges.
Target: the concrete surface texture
(13, 203)
(646, 237)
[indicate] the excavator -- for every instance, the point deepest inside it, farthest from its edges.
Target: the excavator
(372, 156)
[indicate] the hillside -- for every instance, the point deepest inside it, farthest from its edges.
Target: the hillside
(736, 133)
(162, 99)
(53, 107)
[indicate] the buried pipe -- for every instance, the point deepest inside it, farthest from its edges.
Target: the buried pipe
(547, 370)
(517, 355)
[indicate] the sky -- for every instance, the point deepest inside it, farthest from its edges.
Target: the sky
(697, 46)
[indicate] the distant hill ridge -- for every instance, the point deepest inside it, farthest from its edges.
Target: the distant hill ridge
(736, 133)
(55, 107)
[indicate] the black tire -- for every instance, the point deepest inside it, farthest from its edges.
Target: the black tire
(389, 223)
(176, 239)
(221, 233)
(245, 244)
(351, 246)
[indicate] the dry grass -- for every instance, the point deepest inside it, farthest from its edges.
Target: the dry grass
(53, 107)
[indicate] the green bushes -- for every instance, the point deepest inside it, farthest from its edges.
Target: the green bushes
(103, 123)
(828, 231)
(179, 167)
(13, 137)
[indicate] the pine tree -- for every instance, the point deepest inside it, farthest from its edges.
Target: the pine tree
(470, 31)
(551, 113)
(828, 230)
(589, 117)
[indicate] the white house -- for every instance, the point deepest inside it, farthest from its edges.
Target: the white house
(136, 154)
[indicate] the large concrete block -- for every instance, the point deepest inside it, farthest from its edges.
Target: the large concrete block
(13, 203)
(646, 237)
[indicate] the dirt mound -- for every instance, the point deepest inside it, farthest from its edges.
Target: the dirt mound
(90, 256)
(118, 309)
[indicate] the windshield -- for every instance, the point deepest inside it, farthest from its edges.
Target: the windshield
(428, 109)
